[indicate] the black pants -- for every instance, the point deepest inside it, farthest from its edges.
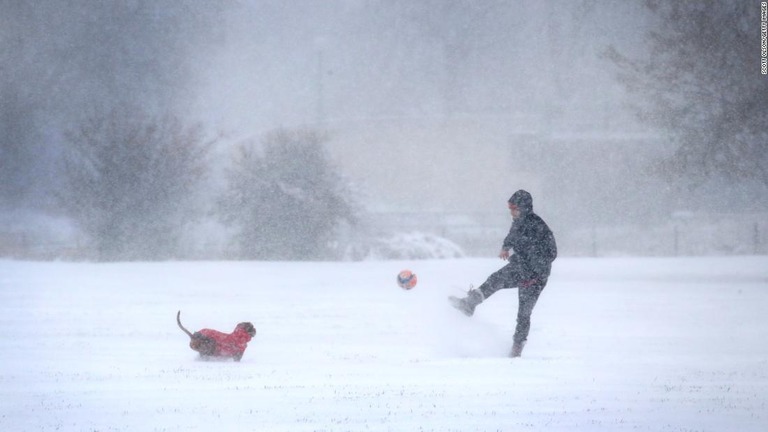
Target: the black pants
(511, 276)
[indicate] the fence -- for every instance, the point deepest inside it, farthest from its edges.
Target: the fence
(726, 237)
(480, 235)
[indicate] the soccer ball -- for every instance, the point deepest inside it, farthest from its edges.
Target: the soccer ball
(406, 279)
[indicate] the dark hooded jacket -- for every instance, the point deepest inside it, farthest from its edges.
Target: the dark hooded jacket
(530, 239)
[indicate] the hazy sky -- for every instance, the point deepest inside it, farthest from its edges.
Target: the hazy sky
(431, 105)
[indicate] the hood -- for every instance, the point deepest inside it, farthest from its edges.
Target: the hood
(523, 200)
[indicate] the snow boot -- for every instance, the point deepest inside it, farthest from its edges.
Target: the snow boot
(517, 349)
(467, 304)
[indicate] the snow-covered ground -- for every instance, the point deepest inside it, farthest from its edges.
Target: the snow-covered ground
(616, 345)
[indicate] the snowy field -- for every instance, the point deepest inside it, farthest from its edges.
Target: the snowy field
(616, 345)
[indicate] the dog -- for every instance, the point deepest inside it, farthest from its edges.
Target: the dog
(211, 343)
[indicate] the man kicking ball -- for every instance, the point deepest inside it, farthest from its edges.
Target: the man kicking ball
(530, 249)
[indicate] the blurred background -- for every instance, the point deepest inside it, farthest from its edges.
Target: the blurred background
(375, 129)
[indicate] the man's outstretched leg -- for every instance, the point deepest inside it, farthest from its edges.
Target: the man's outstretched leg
(506, 277)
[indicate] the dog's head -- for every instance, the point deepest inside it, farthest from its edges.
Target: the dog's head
(247, 327)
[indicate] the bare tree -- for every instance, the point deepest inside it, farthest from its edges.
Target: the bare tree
(130, 182)
(24, 93)
(58, 59)
(701, 82)
(17, 152)
(286, 199)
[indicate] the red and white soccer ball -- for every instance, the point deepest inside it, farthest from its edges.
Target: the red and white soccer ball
(406, 279)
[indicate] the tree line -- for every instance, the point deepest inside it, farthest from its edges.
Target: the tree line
(136, 184)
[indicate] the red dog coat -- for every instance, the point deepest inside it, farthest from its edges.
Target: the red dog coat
(228, 344)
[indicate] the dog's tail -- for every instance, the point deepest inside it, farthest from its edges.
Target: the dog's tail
(178, 321)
